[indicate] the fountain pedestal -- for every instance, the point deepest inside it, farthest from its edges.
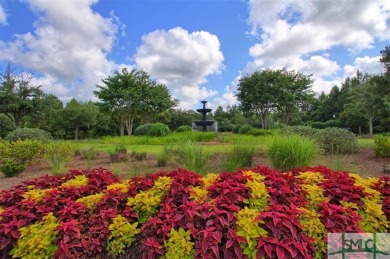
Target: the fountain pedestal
(204, 122)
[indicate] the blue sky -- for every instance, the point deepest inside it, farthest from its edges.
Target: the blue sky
(199, 49)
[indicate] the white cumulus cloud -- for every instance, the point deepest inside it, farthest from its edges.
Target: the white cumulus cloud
(367, 64)
(3, 16)
(182, 60)
(69, 47)
(300, 35)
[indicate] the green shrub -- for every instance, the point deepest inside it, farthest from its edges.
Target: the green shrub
(333, 123)
(6, 125)
(11, 168)
(240, 156)
(193, 157)
(382, 146)
(58, 154)
(26, 151)
(260, 132)
(336, 141)
(158, 130)
(184, 128)
(244, 129)
(288, 152)
(225, 126)
(317, 125)
(29, 134)
(142, 130)
(304, 131)
(236, 128)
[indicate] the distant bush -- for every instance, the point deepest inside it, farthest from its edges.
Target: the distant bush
(236, 128)
(332, 123)
(304, 131)
(158, 130)
(260, 132)
(382, 146)
(184, 128)
(225, 126)
(6, 125)
(244, 129)
(336, 141)
(11, 168)
(142, 130)
(288, 152)
(152, 129)
(21, 151)
(26, 151)
(317, 125)
(30, 134)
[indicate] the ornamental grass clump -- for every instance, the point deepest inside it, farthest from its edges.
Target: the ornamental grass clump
(240, 156)
(288, 152)
(58, 154)
(193, 157)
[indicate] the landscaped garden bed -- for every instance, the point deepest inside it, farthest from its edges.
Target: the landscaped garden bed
(253, 212)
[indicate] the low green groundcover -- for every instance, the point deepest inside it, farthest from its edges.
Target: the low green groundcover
(252, 213)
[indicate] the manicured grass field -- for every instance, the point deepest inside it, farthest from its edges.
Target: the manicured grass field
(156, 145)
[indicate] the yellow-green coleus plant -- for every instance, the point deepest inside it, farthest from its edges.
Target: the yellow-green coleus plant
(179, 245)
(37, 240)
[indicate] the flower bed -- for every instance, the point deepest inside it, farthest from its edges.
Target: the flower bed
(252, 213)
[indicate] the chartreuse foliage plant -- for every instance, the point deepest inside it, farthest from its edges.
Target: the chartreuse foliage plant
(37, 240)
(250, 213)
(121, 235)
(145, 203)
(179, 245)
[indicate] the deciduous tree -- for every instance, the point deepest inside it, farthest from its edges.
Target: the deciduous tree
(133, 94)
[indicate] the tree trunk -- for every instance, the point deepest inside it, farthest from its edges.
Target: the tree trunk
(263, 120)
(76, 133)
(121, 125)
(370, 126)
(360, 130)
(129, 126)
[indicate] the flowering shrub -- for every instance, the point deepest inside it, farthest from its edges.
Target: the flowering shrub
(254, 213)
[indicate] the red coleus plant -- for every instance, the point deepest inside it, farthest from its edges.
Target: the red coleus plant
(83, 231)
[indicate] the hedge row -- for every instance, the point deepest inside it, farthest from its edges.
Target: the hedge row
(253, 213)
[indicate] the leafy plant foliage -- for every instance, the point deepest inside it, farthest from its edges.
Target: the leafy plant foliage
(252, 213)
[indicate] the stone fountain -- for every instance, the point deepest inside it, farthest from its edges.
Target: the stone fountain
(204, 122)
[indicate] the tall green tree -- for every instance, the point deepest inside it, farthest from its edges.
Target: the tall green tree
(79, 114)
(293, 93)
(46, 111)
(365, 102)
(268, 90)
(17, 96)
(131, 95)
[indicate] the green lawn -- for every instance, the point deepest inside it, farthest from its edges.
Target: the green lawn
(228, 140)
(366, 142)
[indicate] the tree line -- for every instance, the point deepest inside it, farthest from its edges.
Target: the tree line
(266, 99)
